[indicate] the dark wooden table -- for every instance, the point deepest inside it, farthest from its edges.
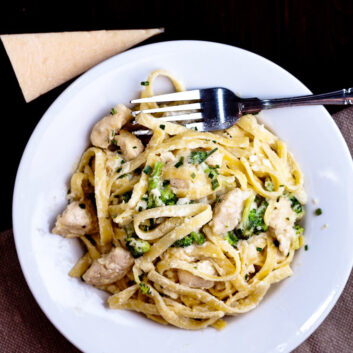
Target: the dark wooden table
(310, 39)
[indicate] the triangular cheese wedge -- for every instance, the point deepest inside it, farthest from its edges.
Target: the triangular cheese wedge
(44, 61)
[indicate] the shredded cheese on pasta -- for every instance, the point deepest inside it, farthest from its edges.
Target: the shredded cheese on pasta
(210, 219)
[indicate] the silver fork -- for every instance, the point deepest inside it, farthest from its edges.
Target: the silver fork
(219, 108)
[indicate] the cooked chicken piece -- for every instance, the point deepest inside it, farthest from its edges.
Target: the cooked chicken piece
(105, 129)
(109, 268)
(282, 222)
(227, 214)
(215, 159)
(180, 183)
(76, 220)
(188, 279)
(130, 145)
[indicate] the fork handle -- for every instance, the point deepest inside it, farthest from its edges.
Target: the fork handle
(255, 105)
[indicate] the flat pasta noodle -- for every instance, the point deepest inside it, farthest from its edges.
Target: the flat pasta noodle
(159, 205)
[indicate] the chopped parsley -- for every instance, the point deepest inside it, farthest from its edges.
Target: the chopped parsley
(246, 277)
(180, 163)
(259, 249)
(298, 229)
(162, 126)
(82, 205)
(193, 175)
(306, 247)
(276, 243)
(148, 170)
(145, 83)
(113, 111)
(197, 157)
(214, 184)
(114, 142)
(318, 211)
(119, 170)
(134, 147)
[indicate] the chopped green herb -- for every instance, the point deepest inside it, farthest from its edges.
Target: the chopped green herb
(119, 170)
(162, 126)
(197, 157)
(113, 111)
(276, 243)
(287, 218)
(193, 175)
(298, 229)
(134, 147)
(214, 184)
(180, 163)
(114, 142)
(127, 196)
(113, 133)
(144, 288)
(145, 83)
(122, 161)
(259, 249)
(214, 141)
(82, 205)
(140, 208)
(318, 211)
(122, 176)
(306, 247)
(147, 170)
(246, 277)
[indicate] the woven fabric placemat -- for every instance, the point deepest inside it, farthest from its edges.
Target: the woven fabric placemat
(24, 328)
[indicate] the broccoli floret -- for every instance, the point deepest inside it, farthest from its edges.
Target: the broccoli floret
(144, 288)
(298, 229)
(193, 237)
(198, 238)
(269, 184)
(231, 238)
(183, 242)
(197, 157)
(295, 204)
(166, 197)
(154, 178)
(253, 218)
(137, 247)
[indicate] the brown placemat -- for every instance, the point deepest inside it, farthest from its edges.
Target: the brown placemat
(24, 328)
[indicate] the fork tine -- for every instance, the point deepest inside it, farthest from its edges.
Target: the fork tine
(182, 117)
(174, 108)
(178, 96)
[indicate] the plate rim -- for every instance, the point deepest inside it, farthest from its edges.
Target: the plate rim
(64, 97)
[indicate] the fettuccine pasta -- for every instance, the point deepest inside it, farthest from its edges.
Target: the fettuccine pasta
(188, 227)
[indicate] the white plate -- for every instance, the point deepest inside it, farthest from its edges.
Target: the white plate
(292, 309)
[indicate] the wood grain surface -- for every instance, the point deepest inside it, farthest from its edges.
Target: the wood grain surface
(311, 39)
